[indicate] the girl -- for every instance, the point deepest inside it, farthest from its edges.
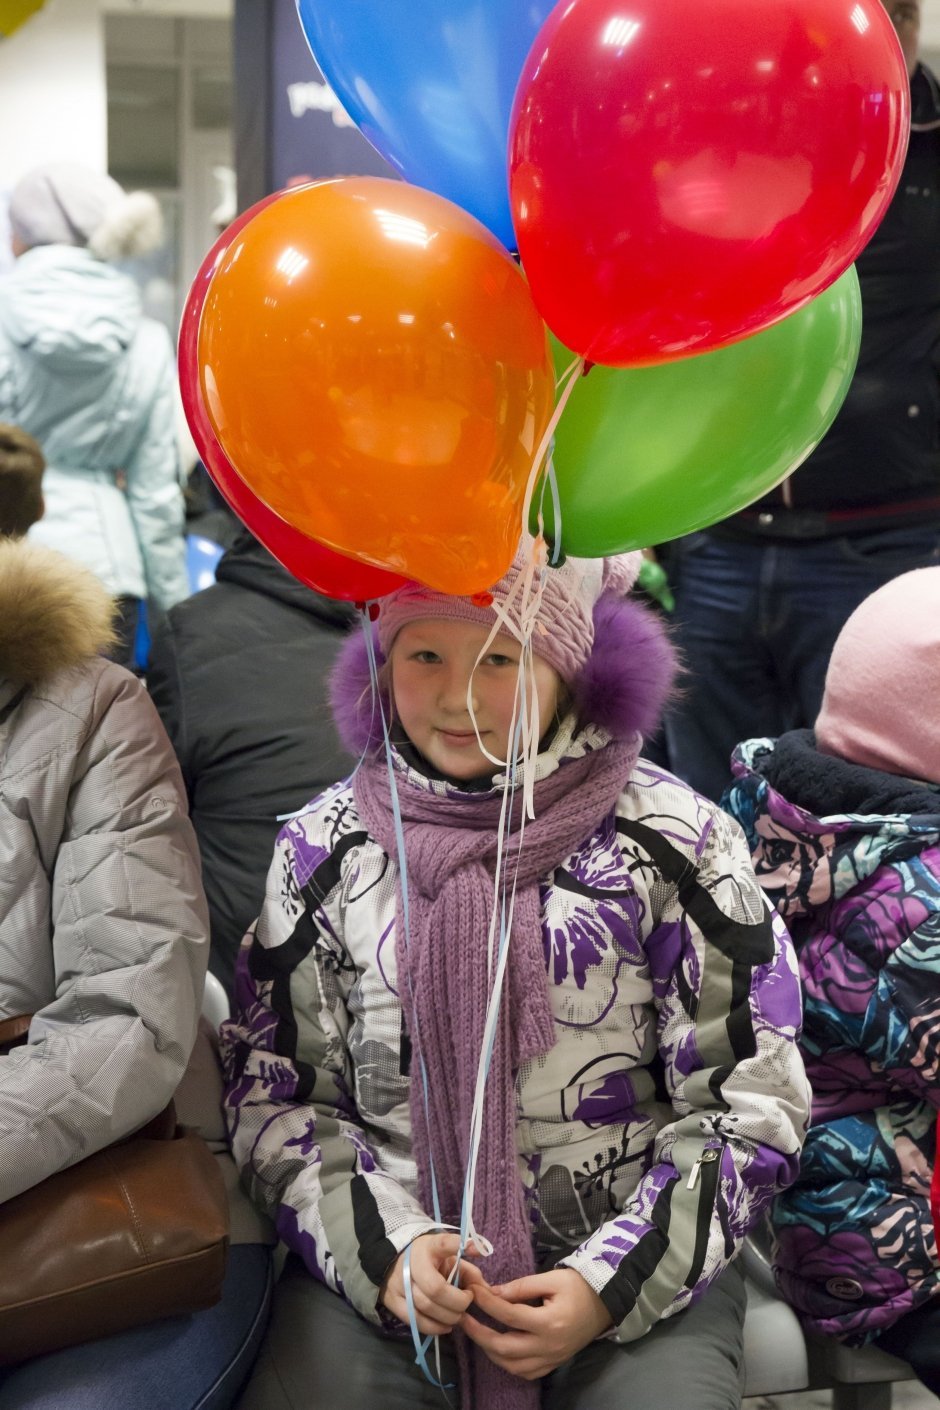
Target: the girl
(645, 1098)
(844, 825)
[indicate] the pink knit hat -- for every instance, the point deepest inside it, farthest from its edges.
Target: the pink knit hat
(882, 702)
(564, 634)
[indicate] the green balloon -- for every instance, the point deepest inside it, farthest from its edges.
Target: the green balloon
(643, 455)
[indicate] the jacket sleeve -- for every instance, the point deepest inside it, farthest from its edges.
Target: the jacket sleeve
(165, 685)
(154, 495)
(129, 935)
(296, 1134)
(728, 1000)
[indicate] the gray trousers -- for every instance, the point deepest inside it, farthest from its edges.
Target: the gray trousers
(320, 1356)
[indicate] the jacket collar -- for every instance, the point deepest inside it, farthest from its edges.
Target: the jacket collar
(54, 614)
(248, 564)
(824, 785)
(808, 847)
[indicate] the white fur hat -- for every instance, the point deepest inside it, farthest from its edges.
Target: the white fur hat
(63, 203)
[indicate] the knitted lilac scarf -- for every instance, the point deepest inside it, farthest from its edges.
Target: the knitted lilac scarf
(450, 849)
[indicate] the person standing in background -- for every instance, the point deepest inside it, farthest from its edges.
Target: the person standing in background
(238, 674)
(21, 470)
(93, 380)
(761, 597)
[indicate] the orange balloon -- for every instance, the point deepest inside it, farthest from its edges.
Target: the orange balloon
(375, 369)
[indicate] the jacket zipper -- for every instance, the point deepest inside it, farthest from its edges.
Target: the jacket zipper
(705, 1171)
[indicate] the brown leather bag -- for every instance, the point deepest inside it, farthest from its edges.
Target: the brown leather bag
(136, 1232)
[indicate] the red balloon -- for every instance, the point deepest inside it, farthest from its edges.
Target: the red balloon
(684, 174)
(319, 567)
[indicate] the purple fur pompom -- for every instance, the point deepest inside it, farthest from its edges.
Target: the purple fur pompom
(631, 671)
(357, 716)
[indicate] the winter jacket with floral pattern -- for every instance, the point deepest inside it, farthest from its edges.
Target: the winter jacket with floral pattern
(669, 1112)
(851, 858)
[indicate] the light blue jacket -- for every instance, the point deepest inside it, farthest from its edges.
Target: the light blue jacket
(84, 372)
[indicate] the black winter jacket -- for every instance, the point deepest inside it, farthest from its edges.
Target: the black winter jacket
(883, 450)
(238, 674)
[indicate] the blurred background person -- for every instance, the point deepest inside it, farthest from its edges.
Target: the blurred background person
(238, 674)
(93, 380)
(762, 596)
(843, 823)
(21, 469)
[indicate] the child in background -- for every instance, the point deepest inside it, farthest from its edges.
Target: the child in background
(844, 827)
(21, 467)
(645, 1098)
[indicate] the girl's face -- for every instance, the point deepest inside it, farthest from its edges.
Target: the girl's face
(432, 662)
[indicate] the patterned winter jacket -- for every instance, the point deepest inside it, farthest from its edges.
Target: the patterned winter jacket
(851, 857)
(668, 1114)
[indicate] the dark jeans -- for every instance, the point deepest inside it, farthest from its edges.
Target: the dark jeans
(916, 1340)
(183, 1363)
(319, 1354)
(756, 624)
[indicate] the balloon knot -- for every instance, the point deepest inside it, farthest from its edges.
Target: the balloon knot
(482, 599)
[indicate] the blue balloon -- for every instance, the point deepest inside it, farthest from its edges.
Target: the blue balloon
(430, 83)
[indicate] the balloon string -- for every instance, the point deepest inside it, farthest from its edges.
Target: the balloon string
(570, 378)
(575, 363)
(525, 595)
(421, 1344)
(572, 373)
(504, 906)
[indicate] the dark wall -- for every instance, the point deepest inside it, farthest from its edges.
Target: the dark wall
(285, 116)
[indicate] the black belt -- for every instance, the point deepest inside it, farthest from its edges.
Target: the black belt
(781, 521)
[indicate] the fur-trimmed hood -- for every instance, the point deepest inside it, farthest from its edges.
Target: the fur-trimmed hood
(54, 614)
(623, 688)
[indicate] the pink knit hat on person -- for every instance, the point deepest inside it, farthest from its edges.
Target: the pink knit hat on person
(881, 707)
(564, 633)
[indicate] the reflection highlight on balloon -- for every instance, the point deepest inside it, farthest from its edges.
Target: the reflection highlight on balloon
(309, 561)
(375, 370)
(683, 175)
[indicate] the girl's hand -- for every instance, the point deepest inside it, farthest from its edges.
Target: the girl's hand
(542, 1338)
(439, 1305)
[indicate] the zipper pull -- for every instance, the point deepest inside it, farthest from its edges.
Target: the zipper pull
(705, 1158)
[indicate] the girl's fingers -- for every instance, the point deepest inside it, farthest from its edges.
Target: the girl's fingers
(519, 1315)
(442, 1294)
(537, 1285)
(505, 1348)
(428, 1326)
(431, 1307)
